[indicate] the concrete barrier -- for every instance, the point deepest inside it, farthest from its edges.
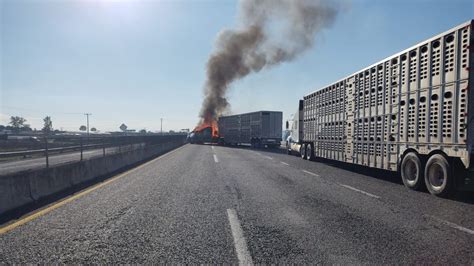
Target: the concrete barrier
(27, 187)
(14, 192)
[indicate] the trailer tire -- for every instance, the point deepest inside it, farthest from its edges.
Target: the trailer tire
(309, 152)
(411, 171)
(303, 151)
(439, 177)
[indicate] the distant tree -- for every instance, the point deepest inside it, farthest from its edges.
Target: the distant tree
(2, 127)
(18, 124)
(143, 131)
(123, 127)
(93, 129)
(47, 125)
(82, 128)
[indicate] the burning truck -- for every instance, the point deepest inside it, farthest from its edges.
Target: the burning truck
(206, 132)
(258, 129)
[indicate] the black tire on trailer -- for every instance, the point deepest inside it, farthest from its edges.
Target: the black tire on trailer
(309, 152)
(303, 151)
(411, 171)
(439, 176)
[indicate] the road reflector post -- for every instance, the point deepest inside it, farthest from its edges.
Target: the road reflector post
(46, 151)
(81, 146)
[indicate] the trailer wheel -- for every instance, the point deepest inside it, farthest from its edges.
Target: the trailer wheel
(309, 152)
(303, 151)
(439, 178)
(411, 171)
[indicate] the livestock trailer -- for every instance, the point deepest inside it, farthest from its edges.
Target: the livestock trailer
(263, 128)
(411, 112)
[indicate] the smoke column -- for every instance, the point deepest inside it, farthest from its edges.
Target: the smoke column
(270, 32)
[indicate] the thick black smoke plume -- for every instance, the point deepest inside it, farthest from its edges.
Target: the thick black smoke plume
(271, 32)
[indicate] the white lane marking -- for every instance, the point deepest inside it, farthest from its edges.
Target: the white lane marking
(284, 163)
(310, 173)
(268, 157)
(453, 225)
(240, 243)
(212, 147)
(360, 191)
(215, 158)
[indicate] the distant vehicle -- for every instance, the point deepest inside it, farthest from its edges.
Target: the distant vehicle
(411, 112)
(258, 129)
(19, 137)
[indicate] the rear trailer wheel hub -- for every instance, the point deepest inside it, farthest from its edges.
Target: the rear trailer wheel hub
(411, 170)
(437, 176)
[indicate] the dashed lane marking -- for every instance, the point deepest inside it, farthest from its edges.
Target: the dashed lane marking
(310, 173)
(453, 225)
(284, 163)
(215, 158)
(360, 191)
(240, 243)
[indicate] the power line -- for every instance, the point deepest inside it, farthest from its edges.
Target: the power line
(6, 107)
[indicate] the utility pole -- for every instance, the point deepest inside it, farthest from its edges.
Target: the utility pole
(161, 130)
(87, 115)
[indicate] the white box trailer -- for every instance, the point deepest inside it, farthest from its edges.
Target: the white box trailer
(263, 128)
(411, 112)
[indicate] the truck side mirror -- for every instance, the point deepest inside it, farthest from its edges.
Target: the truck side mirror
(287, 124)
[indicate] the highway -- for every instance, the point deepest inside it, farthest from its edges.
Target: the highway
(9, 167)
(213, 204)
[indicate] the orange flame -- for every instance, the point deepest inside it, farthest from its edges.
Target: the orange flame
(208, 123)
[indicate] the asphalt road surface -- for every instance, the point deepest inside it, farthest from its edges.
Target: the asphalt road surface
(204, 204)
(9, 167)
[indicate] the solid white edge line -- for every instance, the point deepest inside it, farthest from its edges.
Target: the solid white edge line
(215, 158)
(360, 191)
(453, 225)
(284, 163)
(240, 243)
(310, 173)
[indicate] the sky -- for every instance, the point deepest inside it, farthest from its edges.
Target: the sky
(135, 62)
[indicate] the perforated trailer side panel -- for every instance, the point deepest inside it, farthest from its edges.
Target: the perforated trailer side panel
(242, 128)
(416, 99)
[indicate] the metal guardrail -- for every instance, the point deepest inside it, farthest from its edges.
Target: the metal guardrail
(107, 142)
(39, 151)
